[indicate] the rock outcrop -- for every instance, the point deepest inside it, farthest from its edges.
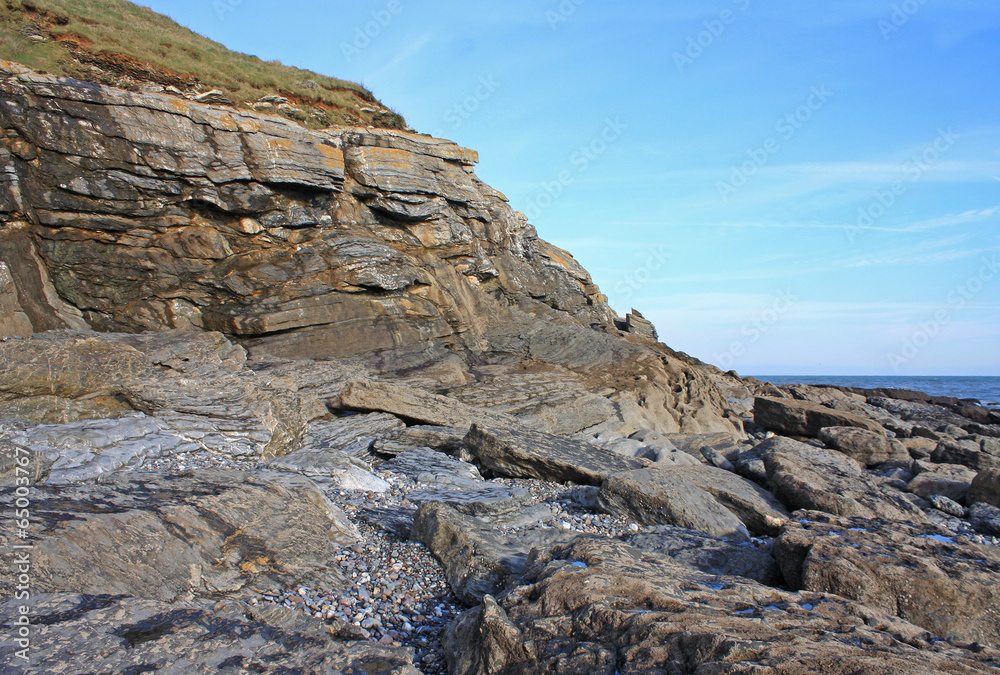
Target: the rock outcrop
(130, 212)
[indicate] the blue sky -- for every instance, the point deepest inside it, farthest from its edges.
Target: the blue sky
(782, 188)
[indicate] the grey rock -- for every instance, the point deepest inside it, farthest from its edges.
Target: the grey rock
(985, 518)
(985, 487)
(922, 573)
(331, 468)
(113, 634)
(535, 454)
(353, 434)
(865, 447)
(801, 418)
(602, 606)
(411, 403)
(697, 444)
(948, 506)
(217, 533)
(950, 480)
(712, 555)
(488, 500)
(976, 452)
(435, 469)
(806, 477)
(703, 498)
(477, 559)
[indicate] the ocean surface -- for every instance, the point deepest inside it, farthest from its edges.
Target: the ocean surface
(985, 389)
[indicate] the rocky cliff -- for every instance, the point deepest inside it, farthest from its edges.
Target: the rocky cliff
(276, 400)
(128, 212)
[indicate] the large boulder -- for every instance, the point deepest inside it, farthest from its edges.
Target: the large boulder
(985, 488)
(712, 555)
(602, 607)
(949, 480)
(533, 454)
(802, 418)
(975, 452)
(806, 477)
(921, 573)
(699, 498)
(866, 447)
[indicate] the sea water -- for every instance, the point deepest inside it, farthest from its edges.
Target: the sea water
(984, 389)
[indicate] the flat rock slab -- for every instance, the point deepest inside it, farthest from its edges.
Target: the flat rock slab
(600, 606)
(712, 555)
(865, 447)
(488, 500)
(416, 404)
(806, 477)
(220, 532)
(949, 480)
(352, 434)
(478, 559)
(85, 450)
(520, 453)
(801, 418)
(699, 498)
(976, 452)
(922, 573)
(435, 469)
(73, 633)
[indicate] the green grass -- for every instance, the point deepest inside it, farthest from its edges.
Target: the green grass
(121, 43)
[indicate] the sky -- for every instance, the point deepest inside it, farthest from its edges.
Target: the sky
(781, 187)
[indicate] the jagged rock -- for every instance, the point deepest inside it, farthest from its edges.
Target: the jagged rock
(22, 466)
(866, 447)
(985, 488)
(603, 607)
(700, 498)
(806, 477)
(637, 324)
(418, 405)
(217, 533)
(435, 469)
(330, 468)
(535, 454)
(800, 418)
(921, 573)
(484, 501)
(352, 435)
(477, 559)
(950, 480)
(701, 446)
(976, 452)
(76, 633)
(445, 439)
(708, 554)
(923, 414)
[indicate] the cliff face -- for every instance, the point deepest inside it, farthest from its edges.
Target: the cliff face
(130, 212)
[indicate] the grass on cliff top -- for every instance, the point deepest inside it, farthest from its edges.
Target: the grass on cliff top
(120, 43)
